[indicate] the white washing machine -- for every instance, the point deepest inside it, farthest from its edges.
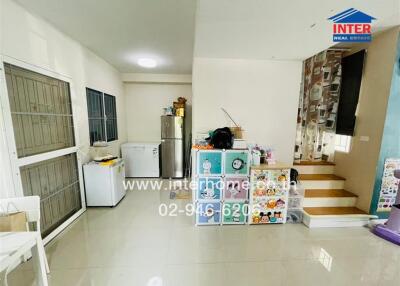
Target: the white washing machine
(141, 159)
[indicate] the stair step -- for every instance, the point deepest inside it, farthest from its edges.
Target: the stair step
(315, 169)
(311, 163)
(328, 193)
(322, 184)
(334, 211)
(329, 198)
(335, 217)
(320, 177)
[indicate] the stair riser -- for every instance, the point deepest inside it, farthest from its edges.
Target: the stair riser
(328, 184)
(315, 169)
(313, 222)
(330, 202)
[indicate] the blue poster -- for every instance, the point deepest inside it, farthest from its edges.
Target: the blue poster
(209, 189)
(210, 163)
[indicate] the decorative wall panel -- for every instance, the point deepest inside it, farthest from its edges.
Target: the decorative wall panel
(318, 105)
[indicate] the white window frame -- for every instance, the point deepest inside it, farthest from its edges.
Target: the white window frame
(8, 133)
(342, 143)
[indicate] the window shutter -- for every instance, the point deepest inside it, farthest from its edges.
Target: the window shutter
(352, 68)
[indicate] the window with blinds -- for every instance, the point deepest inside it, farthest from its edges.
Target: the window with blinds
(102, 113)
(41, 111)
(56, 182)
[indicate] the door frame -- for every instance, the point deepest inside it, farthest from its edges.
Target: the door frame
(8, 132)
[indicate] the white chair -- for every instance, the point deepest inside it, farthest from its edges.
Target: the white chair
(31, 206)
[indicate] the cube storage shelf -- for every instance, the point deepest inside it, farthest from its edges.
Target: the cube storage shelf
(269, 190)
(221, 194)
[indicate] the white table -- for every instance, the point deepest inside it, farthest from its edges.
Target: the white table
(13, 245)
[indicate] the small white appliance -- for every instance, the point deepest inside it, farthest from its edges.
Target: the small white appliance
(104, 183)
(141, 159)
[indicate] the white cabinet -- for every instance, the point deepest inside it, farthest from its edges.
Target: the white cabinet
(104, 183)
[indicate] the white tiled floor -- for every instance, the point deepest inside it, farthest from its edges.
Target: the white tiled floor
(132, 245)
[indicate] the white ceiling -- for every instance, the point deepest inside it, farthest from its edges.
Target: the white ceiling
(121, 31)
(277, 29)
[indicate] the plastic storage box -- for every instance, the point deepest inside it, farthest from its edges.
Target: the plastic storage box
(294, 216)
(295, 202)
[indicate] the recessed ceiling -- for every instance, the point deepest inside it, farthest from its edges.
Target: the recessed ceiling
(281, 30)
(122, 31)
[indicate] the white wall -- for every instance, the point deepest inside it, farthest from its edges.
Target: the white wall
(359, 165)
(30, 39)
(262, 96)
(144, 106)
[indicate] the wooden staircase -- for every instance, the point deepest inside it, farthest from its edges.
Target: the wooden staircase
(326, 202)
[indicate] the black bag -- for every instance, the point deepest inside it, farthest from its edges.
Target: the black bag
(222, 138)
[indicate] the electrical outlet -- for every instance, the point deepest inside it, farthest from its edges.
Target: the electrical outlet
(364, 138)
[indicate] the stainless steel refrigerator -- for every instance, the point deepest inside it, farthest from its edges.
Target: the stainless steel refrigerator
(172, 142)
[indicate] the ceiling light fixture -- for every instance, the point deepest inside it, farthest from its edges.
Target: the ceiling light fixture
(147, 63)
